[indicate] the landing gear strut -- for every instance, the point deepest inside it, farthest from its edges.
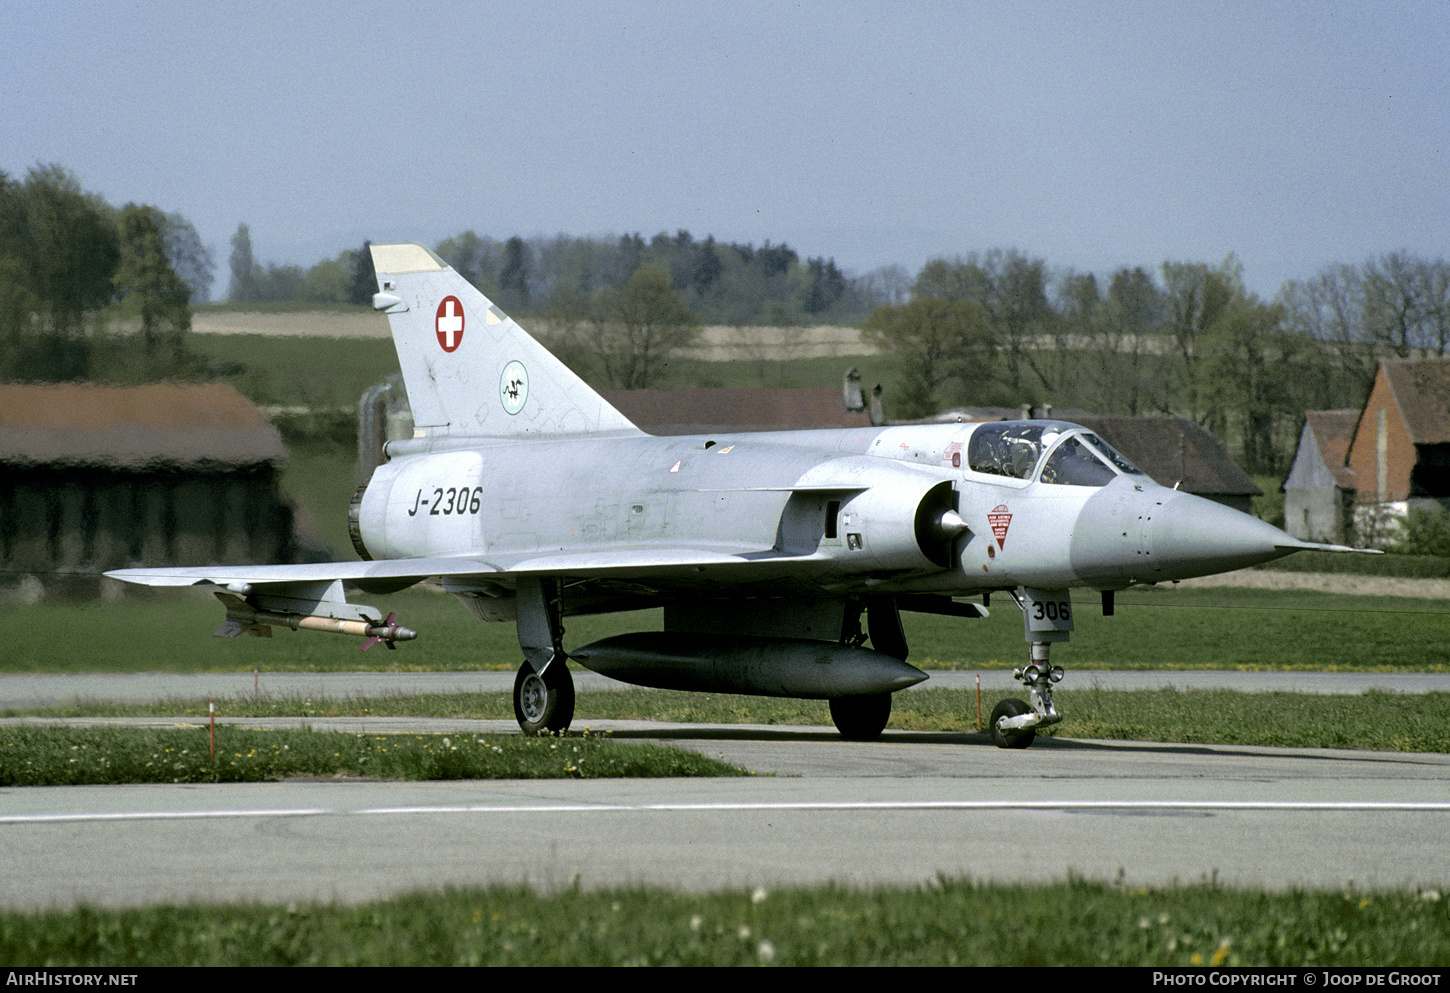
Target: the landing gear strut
(1015, 722)
(543, 690)
(1046, 617)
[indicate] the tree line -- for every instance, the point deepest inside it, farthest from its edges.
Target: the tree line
(998, 328)
(613, 308)
(72, 266)
(564, 277)
(347, 278)
(725, 283)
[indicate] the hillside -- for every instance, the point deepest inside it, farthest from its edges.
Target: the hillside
(718, 343)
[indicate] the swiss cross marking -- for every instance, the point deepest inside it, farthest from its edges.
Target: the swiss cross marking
(450, 323)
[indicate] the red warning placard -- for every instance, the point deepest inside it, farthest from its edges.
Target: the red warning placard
(1000, 518)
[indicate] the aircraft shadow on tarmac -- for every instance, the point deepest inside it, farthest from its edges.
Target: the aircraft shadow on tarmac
(980, 738)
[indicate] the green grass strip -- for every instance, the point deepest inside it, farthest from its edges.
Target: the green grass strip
(950, 923)
(1374, 721)
(1377, 721)
(68, 756)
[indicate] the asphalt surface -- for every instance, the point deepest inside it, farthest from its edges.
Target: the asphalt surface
(49, 690)
(905, 810)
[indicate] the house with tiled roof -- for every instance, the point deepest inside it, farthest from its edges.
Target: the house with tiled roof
(1178, 452)
(1357, 472)
(1173, 451)
(385, 415)
(1400, 450)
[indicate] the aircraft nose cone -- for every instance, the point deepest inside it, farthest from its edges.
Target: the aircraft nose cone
(1190, 536)
(1146, 534)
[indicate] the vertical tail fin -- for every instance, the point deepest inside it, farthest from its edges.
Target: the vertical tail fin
(471, 371)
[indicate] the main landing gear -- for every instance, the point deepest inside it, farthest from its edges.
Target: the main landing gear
(1046, 618)
(544, 704)
(543, 689)
(863, 718)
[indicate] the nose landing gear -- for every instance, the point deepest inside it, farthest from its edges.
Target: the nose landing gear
(1014, 722)
(1046, 617)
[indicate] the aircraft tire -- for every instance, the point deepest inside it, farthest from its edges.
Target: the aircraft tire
(861, 718)
(544, 704)
(1017, 737)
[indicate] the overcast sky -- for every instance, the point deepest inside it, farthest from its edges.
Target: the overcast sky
(1091, 134)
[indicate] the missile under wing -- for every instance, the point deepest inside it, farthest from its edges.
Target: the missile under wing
(782, 560)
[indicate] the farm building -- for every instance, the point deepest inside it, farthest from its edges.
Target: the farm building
(1400, 451)
(1171, 450)
(1356, 472)
(100, 477)
(1320, 488)
(1175, 451)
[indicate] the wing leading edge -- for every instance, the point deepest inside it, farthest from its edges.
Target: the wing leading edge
(623, 563)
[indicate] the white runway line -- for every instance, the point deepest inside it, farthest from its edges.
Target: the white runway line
(1346, 806)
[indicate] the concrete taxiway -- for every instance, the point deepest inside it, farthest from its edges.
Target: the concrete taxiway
(17, 691)
(906, 810)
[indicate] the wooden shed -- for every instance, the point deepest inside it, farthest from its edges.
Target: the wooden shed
(100, 477)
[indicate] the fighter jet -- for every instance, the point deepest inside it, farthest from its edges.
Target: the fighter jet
(531, 500)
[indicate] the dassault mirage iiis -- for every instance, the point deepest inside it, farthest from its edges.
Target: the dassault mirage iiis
(531, 499)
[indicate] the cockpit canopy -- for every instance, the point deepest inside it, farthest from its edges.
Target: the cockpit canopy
(1055, 451)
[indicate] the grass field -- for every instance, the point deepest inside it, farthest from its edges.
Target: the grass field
(1212, 628)
(955, 922)
(320, 372)
(284, 371)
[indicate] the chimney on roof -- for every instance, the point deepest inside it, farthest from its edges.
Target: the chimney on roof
(851, 396)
